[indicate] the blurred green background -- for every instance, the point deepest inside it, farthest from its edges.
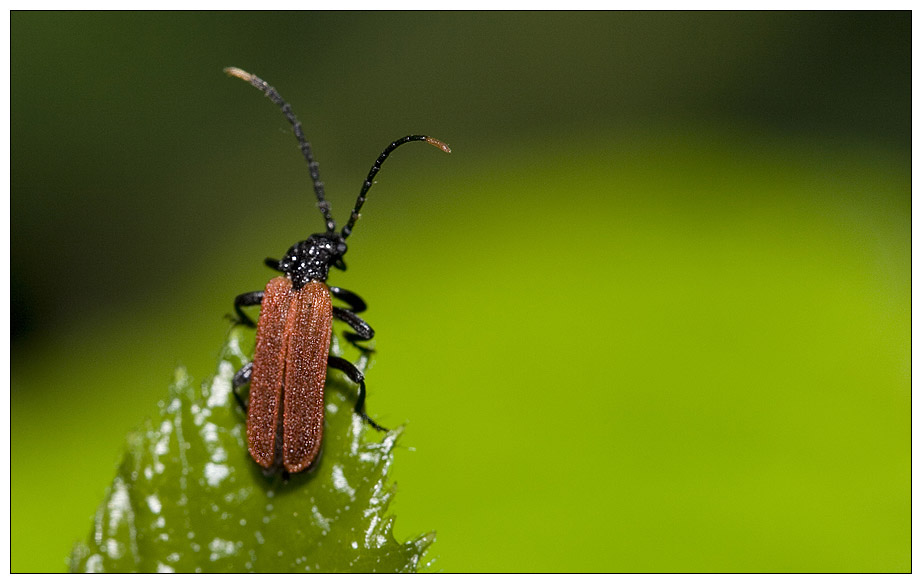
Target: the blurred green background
(652, 314)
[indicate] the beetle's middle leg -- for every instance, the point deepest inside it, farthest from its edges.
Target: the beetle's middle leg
(363, 332)
(241, 378)
(247, 299)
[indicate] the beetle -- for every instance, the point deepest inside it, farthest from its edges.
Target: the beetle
(288, 371)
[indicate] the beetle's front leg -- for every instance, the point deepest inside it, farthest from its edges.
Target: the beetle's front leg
(355, 302)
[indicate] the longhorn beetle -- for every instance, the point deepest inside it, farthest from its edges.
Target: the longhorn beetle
(289, 367)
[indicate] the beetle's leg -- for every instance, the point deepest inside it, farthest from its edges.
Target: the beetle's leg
(355, 302)
(274, 264)
(356, 376)
(247, 299)
(363, 332)
(241, 378)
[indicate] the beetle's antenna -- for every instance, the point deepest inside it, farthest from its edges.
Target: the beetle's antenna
(272, 94)
(377, 166)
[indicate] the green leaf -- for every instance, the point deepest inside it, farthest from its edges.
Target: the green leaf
(188, 498)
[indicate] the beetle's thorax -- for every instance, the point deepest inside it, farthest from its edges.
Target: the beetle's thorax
(310, 260)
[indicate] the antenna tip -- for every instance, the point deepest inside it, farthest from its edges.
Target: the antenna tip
(238, 73)
(439, 144)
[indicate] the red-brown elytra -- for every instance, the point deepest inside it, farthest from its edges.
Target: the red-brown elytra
(289, 367)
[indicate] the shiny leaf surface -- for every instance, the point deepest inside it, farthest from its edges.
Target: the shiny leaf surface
(188, 498)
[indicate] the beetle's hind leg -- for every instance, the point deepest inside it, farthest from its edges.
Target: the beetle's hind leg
(247, 299)
(356, 376)
(241, 378)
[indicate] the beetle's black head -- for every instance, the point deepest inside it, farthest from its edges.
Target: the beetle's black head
(310, 260)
